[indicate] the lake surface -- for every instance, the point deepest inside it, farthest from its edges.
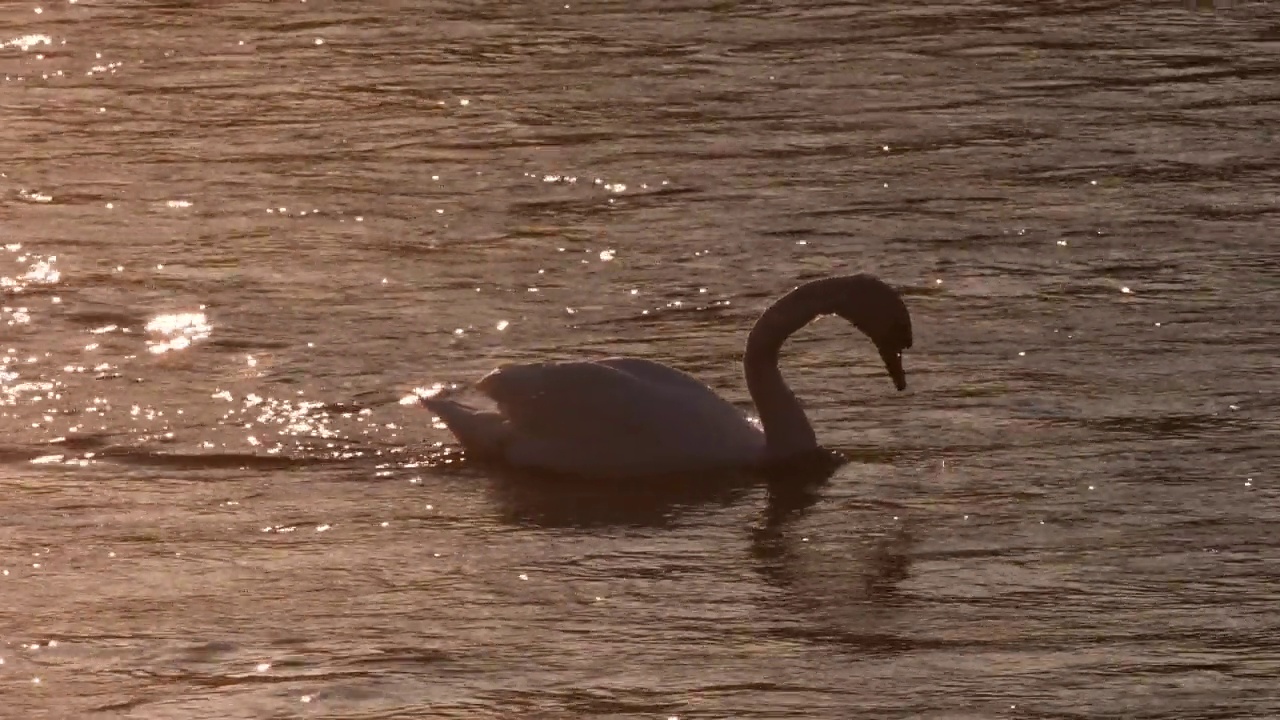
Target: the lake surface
(233, 235)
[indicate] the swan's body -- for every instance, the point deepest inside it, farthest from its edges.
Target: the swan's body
(603, 417)
(630, 417)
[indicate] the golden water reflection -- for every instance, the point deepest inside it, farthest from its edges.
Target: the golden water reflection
(177, 331)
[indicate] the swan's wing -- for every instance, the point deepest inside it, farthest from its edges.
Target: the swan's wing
(623, 409)
(664, 375)
(577, 398)
(690, 389)
(616, 391)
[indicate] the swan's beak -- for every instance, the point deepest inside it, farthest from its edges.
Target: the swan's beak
(893, 363)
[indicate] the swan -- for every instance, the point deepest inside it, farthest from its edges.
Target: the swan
(626, 417)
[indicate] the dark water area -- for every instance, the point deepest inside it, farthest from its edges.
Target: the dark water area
(234, 235)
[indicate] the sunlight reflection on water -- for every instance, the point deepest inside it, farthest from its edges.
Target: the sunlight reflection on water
(177, 331)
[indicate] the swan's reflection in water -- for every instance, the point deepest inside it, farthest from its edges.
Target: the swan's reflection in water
(846, 597)
(552, 501)
(542, 501)
(839, 592)
(878, 568)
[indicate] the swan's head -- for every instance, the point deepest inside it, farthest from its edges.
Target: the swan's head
(875, 308)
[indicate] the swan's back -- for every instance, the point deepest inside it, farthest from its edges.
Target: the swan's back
(617, 416)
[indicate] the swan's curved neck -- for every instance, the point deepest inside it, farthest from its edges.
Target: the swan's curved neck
(787, 430)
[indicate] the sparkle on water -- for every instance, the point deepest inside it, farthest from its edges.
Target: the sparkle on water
(177, 331)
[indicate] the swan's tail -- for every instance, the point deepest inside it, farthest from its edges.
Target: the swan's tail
(481, 433)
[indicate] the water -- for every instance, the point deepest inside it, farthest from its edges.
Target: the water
(234, 234)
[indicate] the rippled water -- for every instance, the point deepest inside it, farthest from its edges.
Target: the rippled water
(235, 233)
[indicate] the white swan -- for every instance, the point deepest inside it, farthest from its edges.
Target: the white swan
(627, 417)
